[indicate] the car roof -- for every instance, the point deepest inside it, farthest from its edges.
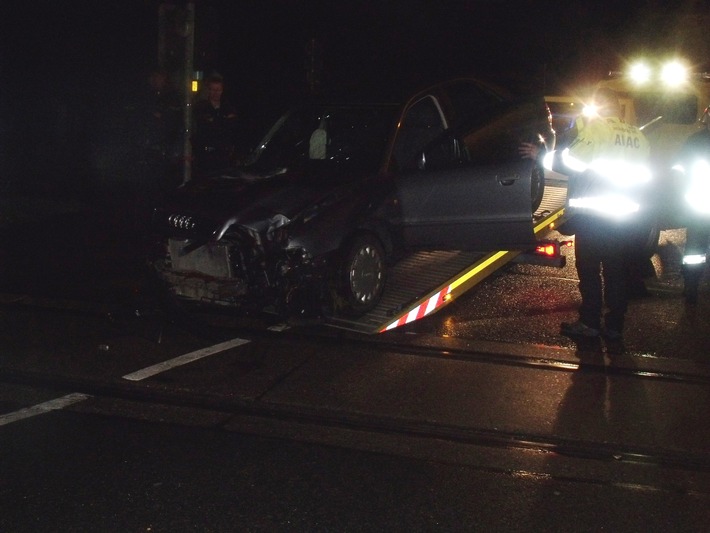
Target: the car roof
(396, 94)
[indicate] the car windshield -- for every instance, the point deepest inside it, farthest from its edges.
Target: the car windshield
(675, 108)
(353, 136)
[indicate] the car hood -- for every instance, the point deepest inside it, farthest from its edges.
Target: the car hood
(255, 201)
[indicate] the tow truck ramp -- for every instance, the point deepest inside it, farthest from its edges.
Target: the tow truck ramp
(424, 282)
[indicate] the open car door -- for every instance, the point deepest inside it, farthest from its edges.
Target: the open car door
(472, 190)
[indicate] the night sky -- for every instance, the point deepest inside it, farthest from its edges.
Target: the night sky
(260, 43)
(68, 68)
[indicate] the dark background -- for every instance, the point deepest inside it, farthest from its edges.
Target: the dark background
(71, 72)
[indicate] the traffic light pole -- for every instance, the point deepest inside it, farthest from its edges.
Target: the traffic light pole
(187, 90)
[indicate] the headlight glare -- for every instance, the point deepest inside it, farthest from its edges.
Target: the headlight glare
(640, 73)
(674, 74)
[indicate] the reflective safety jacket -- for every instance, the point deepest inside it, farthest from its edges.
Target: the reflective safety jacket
(693, 165)
(608, 169)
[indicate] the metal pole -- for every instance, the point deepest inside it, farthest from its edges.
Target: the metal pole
(187, 88)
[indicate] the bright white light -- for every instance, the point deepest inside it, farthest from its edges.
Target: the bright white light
(640, 73)
(572, 162)
(590, 110)
(548, 160)
(694, 259)
(700, 171)
(698, 193)
(674, 74)
(620, 172)
(613, 206)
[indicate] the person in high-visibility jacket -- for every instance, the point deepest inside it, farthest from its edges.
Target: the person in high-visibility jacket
(609, 182)
(693, 168)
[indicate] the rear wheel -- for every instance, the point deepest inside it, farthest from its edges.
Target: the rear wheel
(361, 275)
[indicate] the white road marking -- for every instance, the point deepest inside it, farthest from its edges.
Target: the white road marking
(76, 397)
(46, 407)
(184, 359)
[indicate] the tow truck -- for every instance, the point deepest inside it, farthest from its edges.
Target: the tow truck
(666, 100)
(424, 282)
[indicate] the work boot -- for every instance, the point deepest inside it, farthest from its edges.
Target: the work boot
(578, 329)
(612, 335)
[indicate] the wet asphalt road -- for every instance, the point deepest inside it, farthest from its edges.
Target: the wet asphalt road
(481, 417)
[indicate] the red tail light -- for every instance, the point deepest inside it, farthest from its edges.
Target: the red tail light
(545, 253)
(548, 249)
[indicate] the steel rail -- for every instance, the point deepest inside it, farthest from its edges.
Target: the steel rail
(322, 416)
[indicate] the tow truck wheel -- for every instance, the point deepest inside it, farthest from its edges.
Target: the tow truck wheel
(361, 277)
(537, 186)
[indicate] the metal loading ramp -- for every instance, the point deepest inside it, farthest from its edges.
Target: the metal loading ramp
(423, 282)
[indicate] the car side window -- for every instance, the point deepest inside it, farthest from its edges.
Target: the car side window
(490, 144)
(423, 123)
(443, 154)
(496, 136)
(485, 142)
(479, 136)
(468, 99)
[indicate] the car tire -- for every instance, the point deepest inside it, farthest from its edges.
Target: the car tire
(361, 275)
(537, 186)
(650, 245)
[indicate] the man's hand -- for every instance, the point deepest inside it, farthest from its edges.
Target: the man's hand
(528, 150)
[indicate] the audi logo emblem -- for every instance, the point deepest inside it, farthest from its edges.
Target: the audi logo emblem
(181, 221)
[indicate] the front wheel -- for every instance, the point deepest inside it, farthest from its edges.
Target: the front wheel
(537, 186)
(361, 275)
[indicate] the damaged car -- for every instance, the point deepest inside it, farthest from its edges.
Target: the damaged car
(339, 190)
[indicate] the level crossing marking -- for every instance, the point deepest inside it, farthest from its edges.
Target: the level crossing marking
(42, 408)
(184, 359)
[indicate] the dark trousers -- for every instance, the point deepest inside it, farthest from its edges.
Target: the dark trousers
(600, 251)
(697, 239)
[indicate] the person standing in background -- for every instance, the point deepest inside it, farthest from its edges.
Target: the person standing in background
(214, 143)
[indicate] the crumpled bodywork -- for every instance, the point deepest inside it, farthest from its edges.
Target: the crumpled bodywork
(234, 265)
